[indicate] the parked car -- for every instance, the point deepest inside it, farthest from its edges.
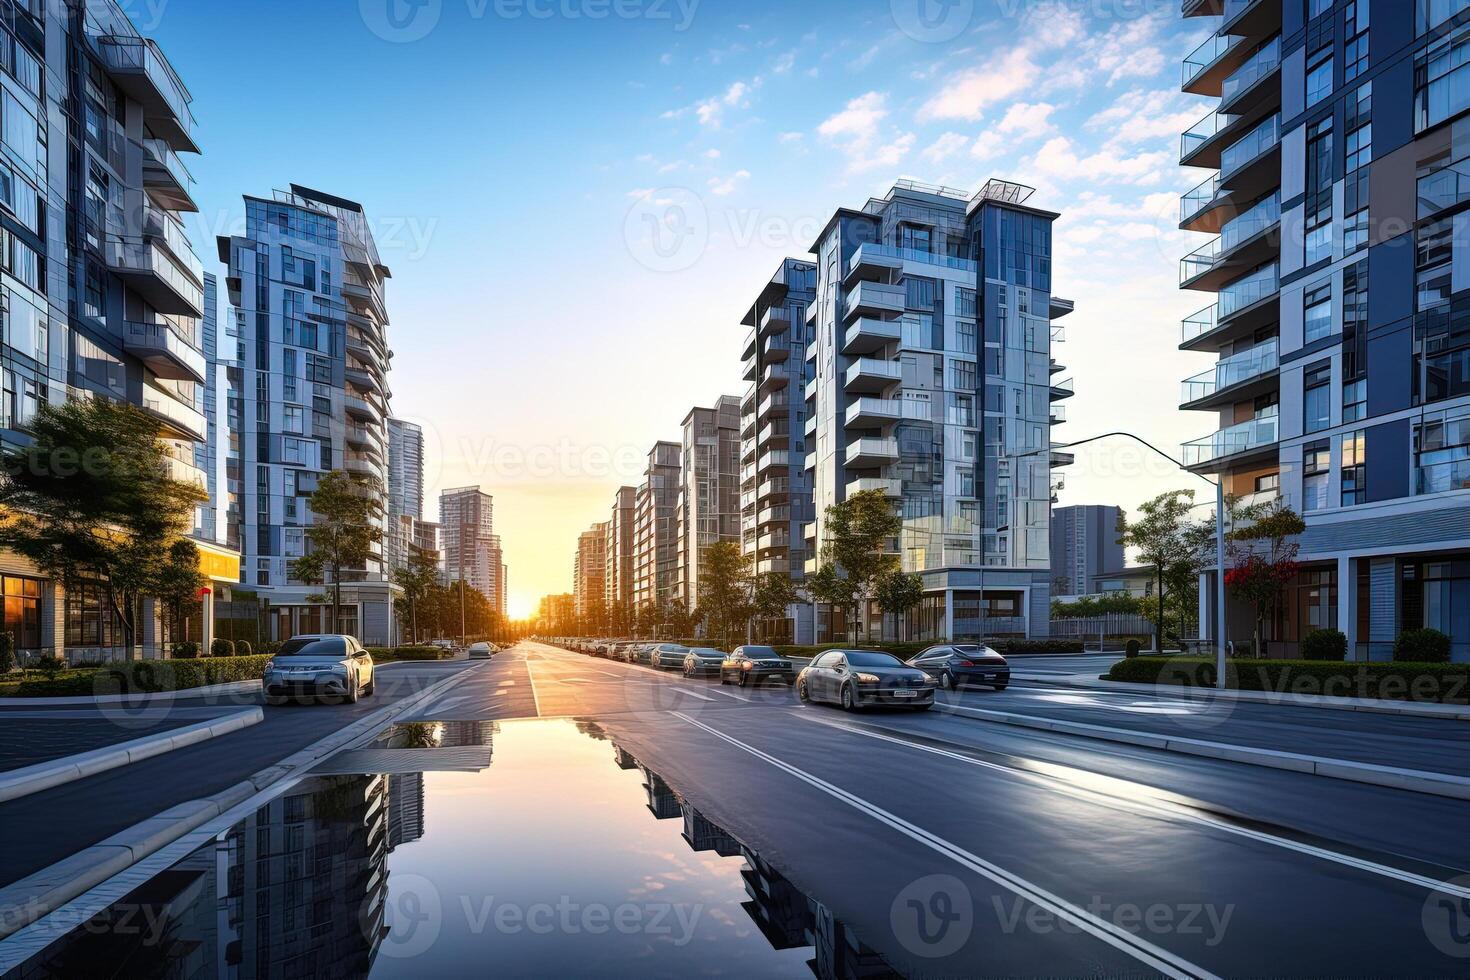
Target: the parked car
(959, 665)
(856, 679)
(312, 665)
(482, 651)
(668, 656)
(442, 644)
(753, 664)
(702, 661)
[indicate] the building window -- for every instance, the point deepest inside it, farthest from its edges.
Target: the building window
(963, 375)
(1318, 205)
(1432, 13)
(1435, 249)
(1442, 455)
(1316, 470)
(1442, 81)
(1319, 76)
(965, 336)
(293, 418)
(1316, 398)
(90, 619)
(1317, 317)
(1355, 400)
(1354, 468)
(1316, 8)
(23, 610)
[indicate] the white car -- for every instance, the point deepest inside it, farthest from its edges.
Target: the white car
(482, 651)
(313, 665)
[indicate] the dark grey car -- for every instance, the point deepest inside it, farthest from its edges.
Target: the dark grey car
(858, 679)
(957, 665)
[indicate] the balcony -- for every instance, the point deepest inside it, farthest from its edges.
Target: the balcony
(778, 487)
(1251, 18)
(1244, 243)
(184, 471)
(1248, 439)
(776, 403)
(773, 459)
(165, 177)
(1243, 86)
(1061, 390)
(1442, 477)
(164, 351)
(747, 350)
(772, 432)
(774, 539)
(363, 437)
(179, 421)
(809, 428)
(367, 296)
(1445, 188)
(773, 515)
(812, 386)
(777, 348)
(1251, 147)
(1207, 65)
(868, 336)
(773, 566)
(1195, 141)
(871, 453)
(1059, 307)
(1205, 208)
(140, 69)
(775, 320)
(869, 413)
(361, 464)
(157, 275)
(1246, 292)
(869, 377)
(775, 376)
(361, 408)
(363, 379)
(875, 258)
(1238, 377)
(889, 488)
(1058, 414)
(1200, 8)
(876, 299)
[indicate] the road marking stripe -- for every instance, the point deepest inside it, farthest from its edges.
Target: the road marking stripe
(729, 694)
(1158, 807)
(536, 698)
(1140, 949)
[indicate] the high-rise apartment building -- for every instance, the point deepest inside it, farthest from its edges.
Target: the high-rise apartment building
(103, 293)
(618, 582)
(589, 573)
(775, 486)
(934, 384)
(407, 529)
(1334, 186)
(307, 285)
(1084, 545)
(471, 548)
(655, 530)
(708, 506)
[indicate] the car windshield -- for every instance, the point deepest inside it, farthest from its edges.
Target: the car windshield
(707, 652)
(314, 646)
(862, 658)
(673, 648)
(759, 652)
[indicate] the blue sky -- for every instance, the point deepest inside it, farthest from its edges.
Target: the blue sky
(511, 154)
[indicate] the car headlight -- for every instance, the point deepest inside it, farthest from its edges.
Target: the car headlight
(867, 678)
(270, 665)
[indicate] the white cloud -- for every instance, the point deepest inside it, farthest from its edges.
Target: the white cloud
(723, 186)
(968, 94)
(858, 132)
(1140, 115)
(858, 120)
(945, 147)
(1028, 119)
(1059, 158)
(792, 137)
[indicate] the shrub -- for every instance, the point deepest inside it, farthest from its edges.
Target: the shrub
(1422, 647)
(271, 646)
(1449, 683)
(1133, 649)
(49, 665)
(391, 654)
(222, 648)
(147, 676)
(187, 650)
(1035, 646)
(7, 653)
(1325, 645)
(242, 648)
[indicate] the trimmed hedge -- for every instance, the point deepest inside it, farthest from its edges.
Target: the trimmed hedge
(1432, 682)
(1422, 646)
(385, 655)
(222, 648)
(1325, 645)
(148, 676)
(904, 651)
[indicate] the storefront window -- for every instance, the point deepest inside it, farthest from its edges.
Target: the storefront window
(22, 597)
(91, 620)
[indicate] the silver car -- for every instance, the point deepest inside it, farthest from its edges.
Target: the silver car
(328, 664)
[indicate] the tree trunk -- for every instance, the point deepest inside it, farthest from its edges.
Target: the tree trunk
(336, 599)
(1159, 626)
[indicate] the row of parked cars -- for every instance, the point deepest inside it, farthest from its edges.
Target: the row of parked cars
(854, 679)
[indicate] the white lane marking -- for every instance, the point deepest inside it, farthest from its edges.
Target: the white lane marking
(693, 694)
(535, 698)
(510, 683)
(1167, 809)
(1140, 949)
(730, 694)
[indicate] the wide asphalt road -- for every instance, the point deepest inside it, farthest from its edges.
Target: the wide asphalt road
(1073, 856)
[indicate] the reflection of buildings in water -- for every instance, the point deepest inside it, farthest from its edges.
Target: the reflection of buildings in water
(786, 916)
(592, 730)
(306, 882)
(405, 808)
(458, 734)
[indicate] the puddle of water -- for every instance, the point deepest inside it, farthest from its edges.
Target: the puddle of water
(566, 857)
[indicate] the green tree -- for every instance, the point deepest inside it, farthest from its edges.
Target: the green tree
(417, 577)
(1162, 536)
(898, 592)
(772, 594)
(92, 498)
(831, 588)
(179, 583)
(858, 532)
(681, 619)
(1262, 554)
(346, 510)
(724, 588)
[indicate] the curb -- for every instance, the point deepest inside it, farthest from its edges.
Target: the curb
(1415, 780)
(233, 687)
(39, 894)
(55, 772)
(1445, 712)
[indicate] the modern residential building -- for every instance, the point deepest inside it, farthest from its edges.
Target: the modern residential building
(708, 506)
(103, 293)
(618, 582)
(407, 529)
(589, 573)
(655, 526)
(1334, 184)
(934, 384)
(1084, 544)
(307, 285)
(471, 548)
(775, 486)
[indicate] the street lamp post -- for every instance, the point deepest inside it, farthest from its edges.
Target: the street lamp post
(1221, 628)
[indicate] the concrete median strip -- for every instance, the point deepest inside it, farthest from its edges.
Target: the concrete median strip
(56, 772)
(1416, 780)
(37, 895)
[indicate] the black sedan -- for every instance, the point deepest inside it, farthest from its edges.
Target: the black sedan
(957, 665)
(751, 665)
(858, 679)
(702, 661)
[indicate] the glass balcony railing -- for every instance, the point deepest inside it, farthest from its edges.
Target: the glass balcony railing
(1250, 146)
(1200, 132)
(1199, 324)
(1206, 55)
(911, 255)
(1231, 371)
(161, 224)
(1198, 199)
(131, 55)
(1257, 67)
(1263, 215)
(1444, 188)
(1200, 261)
(1255, 434)
(1249, 290)
(1441, 477)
